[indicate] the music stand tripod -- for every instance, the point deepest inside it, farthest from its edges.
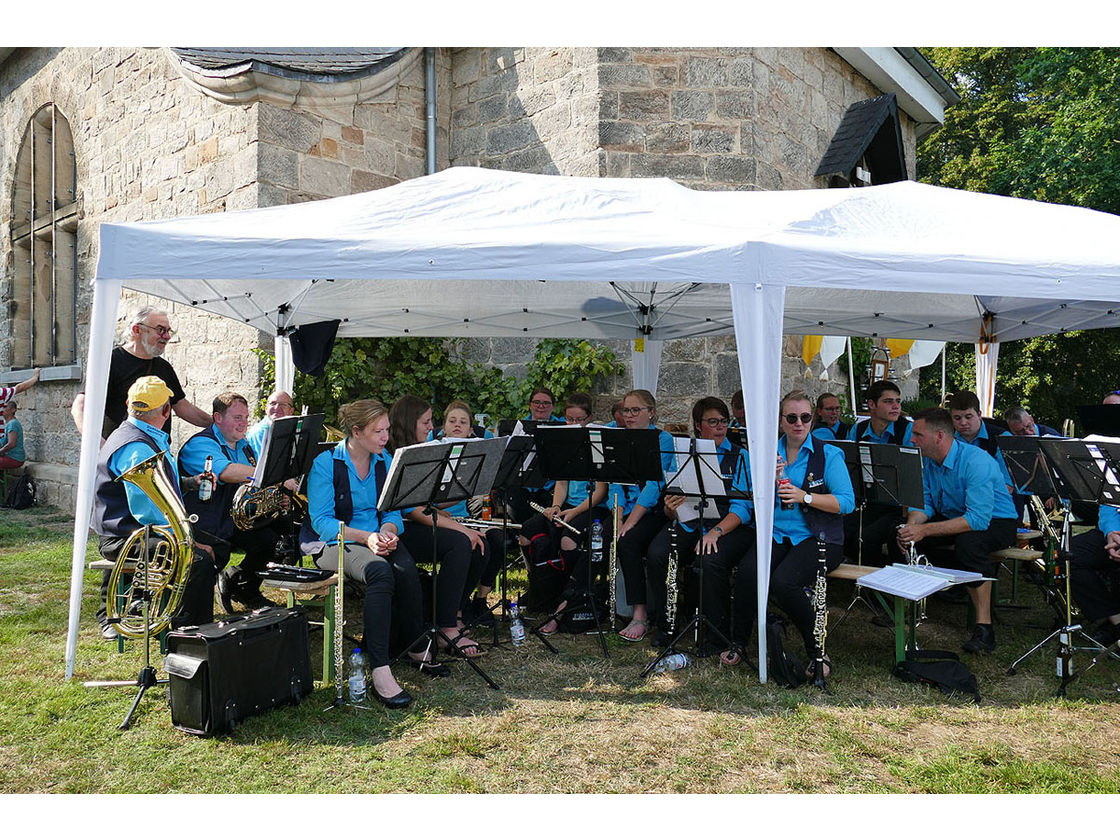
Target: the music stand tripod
(1084, 471)
(592, 454)
(428, 475)
(700, 479)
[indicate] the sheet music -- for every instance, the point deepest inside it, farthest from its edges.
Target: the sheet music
(258, 470)
(684, 477)
(905, 581)
(954, 575)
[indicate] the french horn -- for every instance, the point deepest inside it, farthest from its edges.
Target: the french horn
(161, 572)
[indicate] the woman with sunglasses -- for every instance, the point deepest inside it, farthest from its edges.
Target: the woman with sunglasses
(814, 491)
(722, 540)
(461, 552)
(641, 511)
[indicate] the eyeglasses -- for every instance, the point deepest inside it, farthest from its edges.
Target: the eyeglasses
(570, 418)
(716, 422)
(541, 403)
(793, 418)
(632, 410)
(167, 332)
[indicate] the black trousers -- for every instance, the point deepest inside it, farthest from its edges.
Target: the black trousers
(718, 570)
(259, 546)
(197, 605)
(970, 550)
(632, 549)
(454, 553)
(793, 568)
(393, 604)
(576, 562)
(880, 529)
(1094, 577)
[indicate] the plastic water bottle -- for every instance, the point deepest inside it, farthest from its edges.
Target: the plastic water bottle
(357, 664)
(516, 627)
(596, 542)
(673, 662)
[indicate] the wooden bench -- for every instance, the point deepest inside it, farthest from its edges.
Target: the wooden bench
(1010, 558)
(850, 571)
(103, 565)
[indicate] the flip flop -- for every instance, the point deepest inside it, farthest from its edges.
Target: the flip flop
(461, 646)
(645, 629)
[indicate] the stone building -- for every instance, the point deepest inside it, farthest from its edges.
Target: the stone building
(125, 134)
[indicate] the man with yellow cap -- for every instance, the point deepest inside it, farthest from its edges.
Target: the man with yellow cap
(119, 507)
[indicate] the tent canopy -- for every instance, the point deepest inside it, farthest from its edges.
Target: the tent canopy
(487, 253)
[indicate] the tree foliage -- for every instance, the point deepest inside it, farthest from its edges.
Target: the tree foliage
(1043, 124)
(434, 370)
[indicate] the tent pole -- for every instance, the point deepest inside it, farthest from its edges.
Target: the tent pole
(103, 318)
(851, 376)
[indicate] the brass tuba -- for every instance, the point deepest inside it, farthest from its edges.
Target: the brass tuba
(254, 506)
(161, 573)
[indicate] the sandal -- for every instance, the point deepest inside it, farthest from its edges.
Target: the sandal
(813, 662)
(634, 622)
(462, 646)
(733, 656)
(545, 631)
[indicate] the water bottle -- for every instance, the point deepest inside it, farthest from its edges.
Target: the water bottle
(516, 627)
(357, 664)
(782, 480)
(673, 662)
(596, 542)
(206, 481)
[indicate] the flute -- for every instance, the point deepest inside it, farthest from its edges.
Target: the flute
(557, 519)
(339, 617)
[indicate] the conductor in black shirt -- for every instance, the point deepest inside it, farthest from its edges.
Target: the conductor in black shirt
(141, 355)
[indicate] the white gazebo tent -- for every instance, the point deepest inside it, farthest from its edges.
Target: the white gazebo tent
(473, 252)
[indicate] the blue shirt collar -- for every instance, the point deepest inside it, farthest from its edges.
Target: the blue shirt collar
(159, 435)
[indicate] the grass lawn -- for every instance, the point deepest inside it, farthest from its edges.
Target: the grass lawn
(575, 722)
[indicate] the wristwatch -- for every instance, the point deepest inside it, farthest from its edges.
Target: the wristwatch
(808, 500)
(718, 529)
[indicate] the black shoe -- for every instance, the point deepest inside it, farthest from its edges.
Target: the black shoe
(397, 701)
(660, 639)
(480, 614)
(109, 633)
(431, 668)
(254, 600)
(225, 596)
(1105, 634)
(983, 639)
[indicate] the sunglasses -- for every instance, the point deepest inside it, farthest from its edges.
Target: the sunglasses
(793, 418)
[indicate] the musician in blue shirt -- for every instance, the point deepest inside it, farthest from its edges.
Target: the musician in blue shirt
(827, 424)
(279, 405)
(814, 491)
(640, 509)
(342, 491)
(967, 508)
(1094, 575)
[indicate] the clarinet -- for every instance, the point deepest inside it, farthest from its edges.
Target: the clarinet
(820, 605)
(612, 568)
(671, 581)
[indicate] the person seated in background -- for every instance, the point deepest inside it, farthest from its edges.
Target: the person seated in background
(120, 507)
(826, 419)
(279, 405)
(457, 423)
(968, 510)
(1020, 422)
(12, 452)
(234, 462)
(9, 392)
(1111, 398)
(738, 411)
(1094, 575)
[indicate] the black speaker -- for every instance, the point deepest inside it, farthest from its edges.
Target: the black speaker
(222, 673)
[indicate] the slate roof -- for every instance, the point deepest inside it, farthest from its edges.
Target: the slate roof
(872, 121)
(318, 64)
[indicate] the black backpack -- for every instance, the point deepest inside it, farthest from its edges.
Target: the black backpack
(21, 494)
(782, 666)
(940, 668)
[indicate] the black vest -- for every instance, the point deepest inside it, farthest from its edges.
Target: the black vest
(111, 516)
(214, 515)
(988, 444)
(727, 463)
(343, 500)
(896, 432)
(820, 522)
(841, 430)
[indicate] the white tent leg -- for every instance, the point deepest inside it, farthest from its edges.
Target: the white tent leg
(106, 298)
(285, 367)
(759, 310)
(851, 378)
(987, 356)
(645, 356)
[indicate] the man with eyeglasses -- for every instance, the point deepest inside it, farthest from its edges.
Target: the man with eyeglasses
(141, 355)
(279, 405)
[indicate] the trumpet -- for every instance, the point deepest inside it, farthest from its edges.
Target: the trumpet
(557, 519)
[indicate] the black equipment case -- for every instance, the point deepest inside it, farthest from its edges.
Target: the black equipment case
(222, 673)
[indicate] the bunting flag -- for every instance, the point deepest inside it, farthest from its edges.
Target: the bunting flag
(828, 347)
(899, 347)
(923, 353)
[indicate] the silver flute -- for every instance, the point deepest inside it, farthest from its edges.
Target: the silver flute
(557, 519)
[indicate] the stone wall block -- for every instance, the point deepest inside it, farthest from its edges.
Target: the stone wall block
(692, 105)
(621, 76)
(323, 177)
(643, 105)
(616, 55)
(668, 137)
(363, 181)
(493, 109)
(290, 129)
(665, 76)
(735, 104)
(705, 72)
(712, 140)
(510, 138)
(666, 166)
(626, 136)
(278, 166)
(467, 141)
(683, 378)
(536, 159)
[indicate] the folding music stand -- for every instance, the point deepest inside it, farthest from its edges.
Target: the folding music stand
(428, 475)
(1087, 471)
(699, 478)
(884, 474)
(290, 446)
(592, 454)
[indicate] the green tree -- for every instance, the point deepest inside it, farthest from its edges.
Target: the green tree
(1042, 124)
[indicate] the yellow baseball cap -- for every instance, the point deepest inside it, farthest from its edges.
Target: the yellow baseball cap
(148, 393)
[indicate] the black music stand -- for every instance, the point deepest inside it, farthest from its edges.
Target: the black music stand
(1086, 471)
(592, 454)
(429, 475)
(291, 445)
(882, 474)
(699, 478)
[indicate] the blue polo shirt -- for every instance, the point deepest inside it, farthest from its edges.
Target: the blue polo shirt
(256, 435)
(194, 453)
(982, 435)
(869, 433)
(363, 491)
(649, 493)
(1109, 519)
(143, 509)
(827, 432)
(791, 524)
(968, 484)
